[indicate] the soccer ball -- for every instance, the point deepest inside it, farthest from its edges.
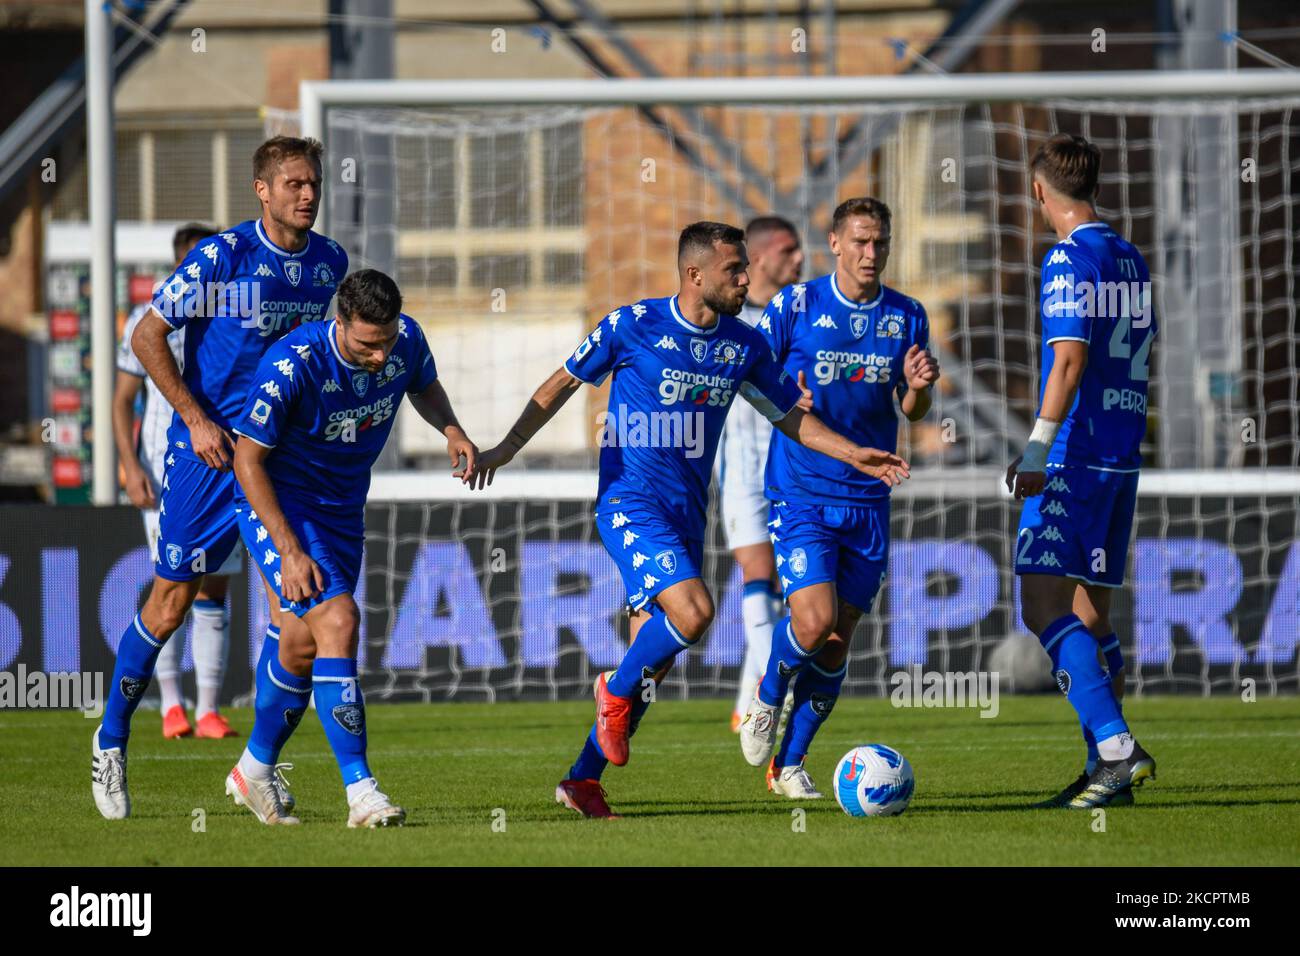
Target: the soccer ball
(873, 780)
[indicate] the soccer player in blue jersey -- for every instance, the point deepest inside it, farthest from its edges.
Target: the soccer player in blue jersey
(678, 364)
(234, 294)
(863, 349)
(1078, 475)
(321, 407)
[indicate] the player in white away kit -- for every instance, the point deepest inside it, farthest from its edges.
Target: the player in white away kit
(775, 261)
(144, 466)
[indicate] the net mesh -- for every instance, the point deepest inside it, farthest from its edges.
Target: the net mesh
(511, 231)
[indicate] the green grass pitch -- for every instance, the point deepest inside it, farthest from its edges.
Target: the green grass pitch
(1228, 791)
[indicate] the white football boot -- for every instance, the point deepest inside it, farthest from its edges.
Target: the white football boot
(261, 796)
(758, 732)
(794, 782)
(282, 787)
(373, 809)
(108, 780)
(787, 706)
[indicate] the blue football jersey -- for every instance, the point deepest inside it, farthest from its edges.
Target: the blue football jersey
(326, 418)
(235, 294)
(852, 354)
(1097, 289)
(673, 384)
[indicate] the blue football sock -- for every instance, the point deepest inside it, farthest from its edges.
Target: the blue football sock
(270, 652)
(270, 648)
(1091, 764)
(1080, 675)
(1114, 656)
(815, 693)
(137, 653)
(282, 699)
(657, 642)
(786, 660)
(591, 762)
(342, 712)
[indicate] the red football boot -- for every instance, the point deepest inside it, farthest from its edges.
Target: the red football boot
(585, 796)
(215, 726)
(613, 714)
(176, 724)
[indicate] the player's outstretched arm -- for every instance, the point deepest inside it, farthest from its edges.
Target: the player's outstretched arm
(541, 408)
(1027, 475)
(125, 389)
(300, 576)
(434, 406)
(920, 371)
(211, 443)
(808, 430)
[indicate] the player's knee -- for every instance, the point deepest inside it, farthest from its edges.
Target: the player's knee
(755, 565)
(341, 619)
(812, 625)
(298, 660)
(166, 609)
(1032, 616)
(694, 617)
(1038, 610)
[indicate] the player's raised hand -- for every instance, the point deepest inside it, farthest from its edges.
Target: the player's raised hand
(806, 400)
(212, 444)
(920, 368)
(884, 465)
(138, 488)
(300, 577)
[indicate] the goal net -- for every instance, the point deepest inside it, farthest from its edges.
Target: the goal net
(512, 227)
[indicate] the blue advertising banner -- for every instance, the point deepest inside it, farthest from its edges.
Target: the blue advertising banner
(506, 599)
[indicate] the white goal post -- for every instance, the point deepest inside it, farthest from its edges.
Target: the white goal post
(516, 213)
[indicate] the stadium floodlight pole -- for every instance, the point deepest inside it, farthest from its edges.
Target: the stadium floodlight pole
(316, 96)
(99, 137)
